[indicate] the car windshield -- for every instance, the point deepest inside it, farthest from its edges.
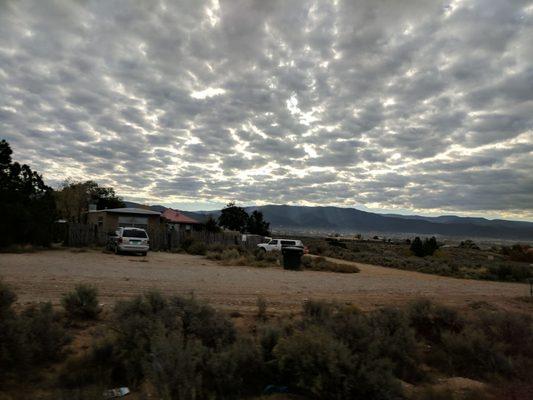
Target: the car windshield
(134, 233)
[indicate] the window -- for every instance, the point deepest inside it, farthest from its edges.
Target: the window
(134, 233)
(288, 243)
(273, 242)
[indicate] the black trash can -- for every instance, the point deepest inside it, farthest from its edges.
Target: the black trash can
(292, 257)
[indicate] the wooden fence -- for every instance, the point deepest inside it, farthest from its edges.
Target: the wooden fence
(81, 235)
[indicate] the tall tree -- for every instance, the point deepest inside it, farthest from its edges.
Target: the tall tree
(257, 225)
(27, 204)
(74, 198)
(233, 218)
(430, 246)
(417, 247)
(211, 225)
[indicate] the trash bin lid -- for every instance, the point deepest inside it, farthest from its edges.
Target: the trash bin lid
(292, 248)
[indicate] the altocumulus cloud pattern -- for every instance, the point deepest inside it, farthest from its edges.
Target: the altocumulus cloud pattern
(419, 105)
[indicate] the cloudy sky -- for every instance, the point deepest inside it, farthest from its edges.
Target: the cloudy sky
(412, 106)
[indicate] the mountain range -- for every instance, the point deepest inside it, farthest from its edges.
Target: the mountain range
(350, 220)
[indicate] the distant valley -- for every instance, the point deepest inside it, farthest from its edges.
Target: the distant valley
(351, 221)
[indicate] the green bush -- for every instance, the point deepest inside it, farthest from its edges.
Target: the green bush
(213, 255)
(197, 248)
(203, 322)
(82, 303)
(316, 364)
(262, 308)
(230, 254)
(96, 367)
(380, 335)
(472, 354)
(269, 336)
(431, 320)
(511, 272)
(174, 367)
(235, 372)
(29, 339)
(216, 248)
(7, 298)
(394, 340)
(44, 334)
(183, 347)
(318, 310)
(186, 242)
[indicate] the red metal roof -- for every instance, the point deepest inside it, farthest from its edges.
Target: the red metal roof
(177, 217)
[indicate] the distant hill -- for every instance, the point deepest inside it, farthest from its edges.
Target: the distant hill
(351, 220)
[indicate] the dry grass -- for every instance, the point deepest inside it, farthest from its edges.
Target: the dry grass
(321, 264)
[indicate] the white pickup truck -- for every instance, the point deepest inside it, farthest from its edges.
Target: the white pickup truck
(277, 244)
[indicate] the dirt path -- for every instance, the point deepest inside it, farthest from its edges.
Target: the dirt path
(47, 275)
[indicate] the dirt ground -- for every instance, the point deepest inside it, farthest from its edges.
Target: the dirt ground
(46, 275)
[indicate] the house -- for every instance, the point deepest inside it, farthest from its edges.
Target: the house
(178, 221)
(109, 220)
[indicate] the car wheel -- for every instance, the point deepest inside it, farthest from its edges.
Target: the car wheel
(264, 250)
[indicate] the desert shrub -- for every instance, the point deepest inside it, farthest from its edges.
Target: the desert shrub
(193, 318)
(321, 264)
(216, 247)
(29, 339)
(82, 303)
(383, 334)
(174, 367)
(262, 308)
(143, 323)
(235, 372)
(336, 243)
(12, 352)
(186, 242)
(513, 330)
(316, 364)
(269, 336)
(272, 256)
(511, 272)
(393, 339)
(259, 254)
(471, 354)
(230, 254)
(94, 367)
(7, 298)
(197, 248)
(45, 336)
(184, 348)
(518, 252)
(318, 310)
(203, 322)
(431, 320)
(213, 255)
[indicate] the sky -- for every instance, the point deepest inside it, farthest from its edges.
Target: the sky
(412, 107)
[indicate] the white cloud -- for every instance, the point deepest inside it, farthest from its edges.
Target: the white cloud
(400, 106)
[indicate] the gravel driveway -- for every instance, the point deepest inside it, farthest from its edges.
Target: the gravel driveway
(44, 276)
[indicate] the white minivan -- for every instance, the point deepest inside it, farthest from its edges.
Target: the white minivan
(130, 240)
(277, 244)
